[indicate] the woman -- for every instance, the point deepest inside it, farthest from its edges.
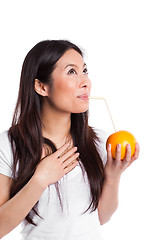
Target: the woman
(55, 175)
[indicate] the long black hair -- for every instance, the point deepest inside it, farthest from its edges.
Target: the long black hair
(25, 132)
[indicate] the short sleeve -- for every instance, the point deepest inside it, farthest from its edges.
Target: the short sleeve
(101, 144)
(6, 158)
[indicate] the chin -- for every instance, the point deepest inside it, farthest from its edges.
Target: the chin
(80, 110)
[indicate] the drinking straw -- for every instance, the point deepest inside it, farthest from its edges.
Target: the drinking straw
(103, 98)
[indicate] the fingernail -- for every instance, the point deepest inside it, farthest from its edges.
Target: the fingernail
(109, 146)
(129, 147)
(118, 146)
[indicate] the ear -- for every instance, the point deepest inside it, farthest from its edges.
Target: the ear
(40, 88)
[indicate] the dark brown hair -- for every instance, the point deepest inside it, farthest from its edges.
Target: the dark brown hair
(25, 132)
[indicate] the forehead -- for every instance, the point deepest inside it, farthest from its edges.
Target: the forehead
(71, 56)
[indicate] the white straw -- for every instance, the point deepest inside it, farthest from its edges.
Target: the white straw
(102, 98)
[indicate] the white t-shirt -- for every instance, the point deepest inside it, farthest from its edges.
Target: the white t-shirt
(69, 224)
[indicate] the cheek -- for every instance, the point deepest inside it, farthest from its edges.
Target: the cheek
(63, 91)
(64, 87)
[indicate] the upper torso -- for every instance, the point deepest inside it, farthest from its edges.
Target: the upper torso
(74, 188)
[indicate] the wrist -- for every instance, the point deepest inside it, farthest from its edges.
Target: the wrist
(39, 182)
(112, 180)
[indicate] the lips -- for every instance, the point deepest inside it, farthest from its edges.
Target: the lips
(84, 97)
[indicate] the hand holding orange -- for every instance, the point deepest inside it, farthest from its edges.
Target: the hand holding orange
(123, 138)
(120, 137)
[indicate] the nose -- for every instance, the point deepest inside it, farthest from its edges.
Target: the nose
(84, 85)
(84, 82)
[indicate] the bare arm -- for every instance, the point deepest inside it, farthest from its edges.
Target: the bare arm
(13, 211)
(108, 202)
(49, 171)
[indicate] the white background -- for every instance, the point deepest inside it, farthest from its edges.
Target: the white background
(122, 44)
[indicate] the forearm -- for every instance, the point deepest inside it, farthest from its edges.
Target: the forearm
(108, 202)
(16, 209)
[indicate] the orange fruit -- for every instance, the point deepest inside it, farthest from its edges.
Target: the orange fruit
(122, 137)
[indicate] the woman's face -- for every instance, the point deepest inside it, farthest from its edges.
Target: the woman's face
(71, 85)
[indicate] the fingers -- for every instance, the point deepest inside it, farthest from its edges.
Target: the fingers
(117, 155)
(123, 162)
(118, 152)
(71, 160)
(137, 149)
(109, 154)
(68, 154)
(61, 150)
(127, 159)
(70, 167)
(136, 153)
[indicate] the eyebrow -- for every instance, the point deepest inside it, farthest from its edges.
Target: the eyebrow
(74, 65)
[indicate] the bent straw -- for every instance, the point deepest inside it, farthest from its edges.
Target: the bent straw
(102, 98)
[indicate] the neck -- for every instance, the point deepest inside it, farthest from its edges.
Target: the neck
(56, 125)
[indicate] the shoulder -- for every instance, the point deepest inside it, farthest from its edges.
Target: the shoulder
(6, 158)
(4, 137)
(101, 143)
(4, 141)
(101, 134)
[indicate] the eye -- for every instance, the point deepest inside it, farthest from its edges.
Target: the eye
(85, 71)
(72, 71)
